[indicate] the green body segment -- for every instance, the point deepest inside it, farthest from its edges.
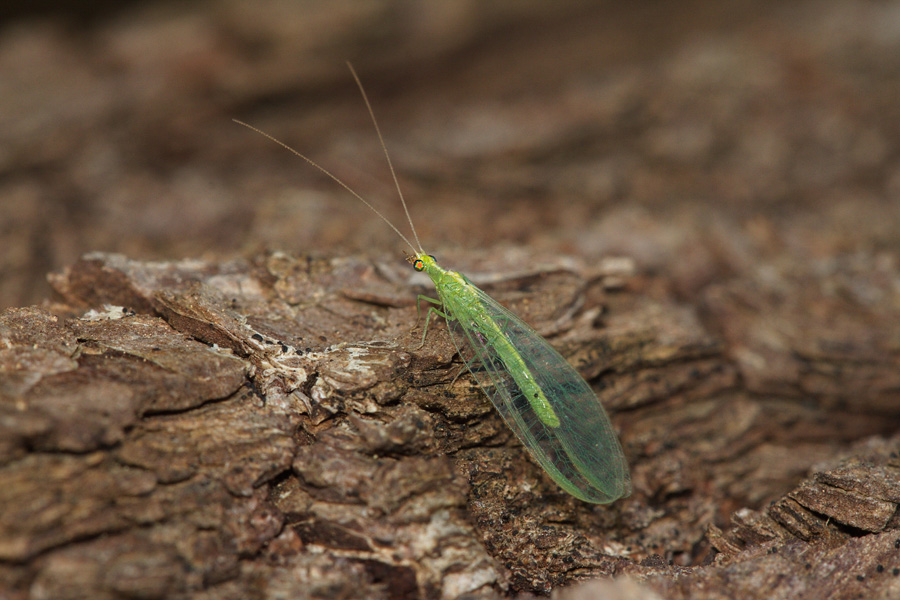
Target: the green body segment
(513, 362)
(460, 298)
(538, 393)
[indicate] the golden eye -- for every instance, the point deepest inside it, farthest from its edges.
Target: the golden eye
(419, 265)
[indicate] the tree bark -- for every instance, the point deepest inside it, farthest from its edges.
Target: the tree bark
(697, 207)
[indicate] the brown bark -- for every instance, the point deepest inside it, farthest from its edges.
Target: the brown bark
(697, 207)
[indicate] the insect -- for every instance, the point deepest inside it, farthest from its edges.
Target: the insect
(540, 396)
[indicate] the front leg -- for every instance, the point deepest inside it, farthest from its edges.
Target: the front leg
(431, 309)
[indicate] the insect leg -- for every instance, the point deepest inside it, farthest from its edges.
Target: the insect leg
(419, 299)
(431, 309)
(458, 373)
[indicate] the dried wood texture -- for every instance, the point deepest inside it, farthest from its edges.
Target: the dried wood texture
(698, 206)
(266, 420)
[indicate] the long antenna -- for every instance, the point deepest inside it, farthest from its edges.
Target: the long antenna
(338, 181)
(387, 156)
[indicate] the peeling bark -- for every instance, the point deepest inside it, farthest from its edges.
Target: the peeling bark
(699, 213)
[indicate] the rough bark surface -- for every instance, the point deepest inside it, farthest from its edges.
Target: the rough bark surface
(699, 206)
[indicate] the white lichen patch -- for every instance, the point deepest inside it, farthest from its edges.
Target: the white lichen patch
(109, 312)
(282, 372)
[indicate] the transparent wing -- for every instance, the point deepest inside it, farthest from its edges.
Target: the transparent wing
(582, 454)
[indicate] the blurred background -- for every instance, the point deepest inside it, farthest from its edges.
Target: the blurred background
(696, 137)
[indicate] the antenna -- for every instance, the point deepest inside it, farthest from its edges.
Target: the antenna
(386, 155)
(336, 180)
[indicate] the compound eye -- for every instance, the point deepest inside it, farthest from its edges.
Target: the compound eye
(419, 264)
(432, 257)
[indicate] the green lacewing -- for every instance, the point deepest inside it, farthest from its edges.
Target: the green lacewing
(540, 396)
